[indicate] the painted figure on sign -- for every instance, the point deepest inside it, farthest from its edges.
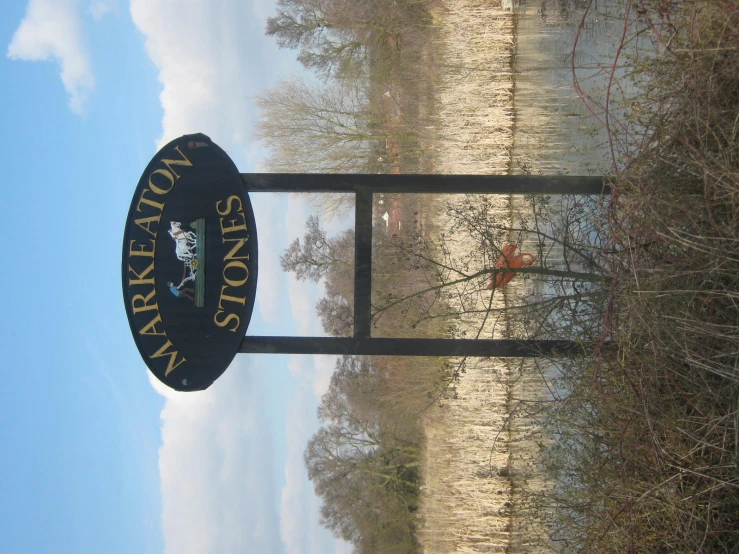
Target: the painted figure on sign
(180, 291)
(185, 241)
(189, 240)
(508, 259)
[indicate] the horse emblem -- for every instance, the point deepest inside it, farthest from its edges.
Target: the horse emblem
(190, 250)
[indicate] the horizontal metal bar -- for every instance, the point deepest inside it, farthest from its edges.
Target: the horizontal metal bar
(435, 184)
(409, 347)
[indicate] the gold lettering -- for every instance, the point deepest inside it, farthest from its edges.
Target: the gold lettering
(235, 272)
(236, 248)
(151, 327)
(144, 306)
(158, 189)
(140, 277)
(225, 322)
(141, 249)
(170, 174)
(143, 200)
(229, 205)
(232, 226)
(171, 365)
(236, 264)
(184, 161)
(227, 298)
(145, 224)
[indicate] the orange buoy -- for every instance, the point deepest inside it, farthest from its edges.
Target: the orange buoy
(507, 259)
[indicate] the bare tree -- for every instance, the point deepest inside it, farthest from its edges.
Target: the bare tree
(331, 35)
(336, 314)
(328, 129)
(317, 255)
(317, 258)
(362, 462)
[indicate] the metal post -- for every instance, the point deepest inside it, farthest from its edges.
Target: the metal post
(430, 184)
(408, 347)
(363, 264)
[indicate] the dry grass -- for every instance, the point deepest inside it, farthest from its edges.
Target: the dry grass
(647, 450)
(640, 447)
(475, 92)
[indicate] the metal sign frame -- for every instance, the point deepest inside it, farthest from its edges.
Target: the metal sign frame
(364, 186)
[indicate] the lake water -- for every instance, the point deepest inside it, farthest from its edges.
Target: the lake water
(559, 129)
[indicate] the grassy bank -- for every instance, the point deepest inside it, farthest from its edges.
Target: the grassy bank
(646, 454)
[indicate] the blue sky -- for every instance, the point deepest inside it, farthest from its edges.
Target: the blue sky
(96, 456)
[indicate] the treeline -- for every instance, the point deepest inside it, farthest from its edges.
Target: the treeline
(363, 462)
(347, 38)
(364, 459)
(372, 108)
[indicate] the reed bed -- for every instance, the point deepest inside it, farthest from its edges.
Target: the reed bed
(466, 499)
(475, 92)
(476, 458)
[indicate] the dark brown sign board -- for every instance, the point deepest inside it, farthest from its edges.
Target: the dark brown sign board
(189, 263)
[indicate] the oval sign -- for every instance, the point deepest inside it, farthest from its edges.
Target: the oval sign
(189, 263)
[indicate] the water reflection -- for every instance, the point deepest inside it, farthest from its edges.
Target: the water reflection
(555, 129)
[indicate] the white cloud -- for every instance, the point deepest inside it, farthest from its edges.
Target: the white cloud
(100, 8)
(52, 30)
(303, 296)
(216, 467)
(271, 281)
(294, 517)
(296, 216)
(325, 366)
(212, 59)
